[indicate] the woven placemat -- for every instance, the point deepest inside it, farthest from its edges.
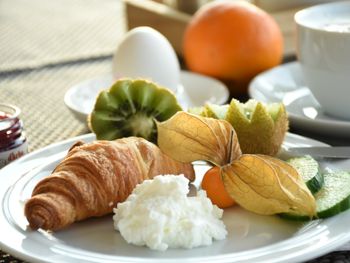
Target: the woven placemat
(39, 94)
(36, 33)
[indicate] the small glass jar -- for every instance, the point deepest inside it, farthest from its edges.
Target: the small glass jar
(13, 142)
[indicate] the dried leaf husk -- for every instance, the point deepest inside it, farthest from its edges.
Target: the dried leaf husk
(266, 186)
(186, 137)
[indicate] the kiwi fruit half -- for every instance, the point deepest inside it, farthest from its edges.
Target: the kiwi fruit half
(260, 128)
(130, 108)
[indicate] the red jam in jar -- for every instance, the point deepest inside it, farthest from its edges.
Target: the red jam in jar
(13, 142)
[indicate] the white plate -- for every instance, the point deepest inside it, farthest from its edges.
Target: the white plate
(251, 238)
(285, 83)
(198, 90)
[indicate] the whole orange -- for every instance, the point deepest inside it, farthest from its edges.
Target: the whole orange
(232, 41)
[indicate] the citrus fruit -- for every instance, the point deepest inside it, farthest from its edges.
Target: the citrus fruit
(216, 192)
(232, 41)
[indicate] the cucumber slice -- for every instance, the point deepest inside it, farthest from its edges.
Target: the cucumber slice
(309, 170)
(333, 198)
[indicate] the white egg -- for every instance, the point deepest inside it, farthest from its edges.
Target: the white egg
(146, 53)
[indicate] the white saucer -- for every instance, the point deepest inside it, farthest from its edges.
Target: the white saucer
(285, 83)
(199, 89)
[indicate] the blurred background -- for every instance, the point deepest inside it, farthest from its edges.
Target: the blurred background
(46, 47)
(38, 33)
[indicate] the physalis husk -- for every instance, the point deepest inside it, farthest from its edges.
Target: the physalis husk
(259, 183)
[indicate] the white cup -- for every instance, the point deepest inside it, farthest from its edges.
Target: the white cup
(323, 49)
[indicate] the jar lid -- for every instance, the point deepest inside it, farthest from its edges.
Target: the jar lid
(11, 111)
(8, 117)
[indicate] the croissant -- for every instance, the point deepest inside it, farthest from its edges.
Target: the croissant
(93, 178)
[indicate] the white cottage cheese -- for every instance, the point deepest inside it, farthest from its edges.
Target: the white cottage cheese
(159, 214)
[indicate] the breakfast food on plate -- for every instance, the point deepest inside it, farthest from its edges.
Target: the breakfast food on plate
(267, 186)
(310, 171)
(331, 199)
(129, 108)
(232, 41)
(330, 188)
(198, 138)
(160, 215)
(258, 183)
(93, 178)
(212, 183)
(260, 128)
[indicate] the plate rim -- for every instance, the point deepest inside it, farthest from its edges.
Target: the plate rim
(63, 146)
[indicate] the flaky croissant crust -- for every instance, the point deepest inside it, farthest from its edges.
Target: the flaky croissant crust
(93, 178)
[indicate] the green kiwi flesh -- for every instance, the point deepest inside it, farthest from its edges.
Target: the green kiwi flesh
(130, 108)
